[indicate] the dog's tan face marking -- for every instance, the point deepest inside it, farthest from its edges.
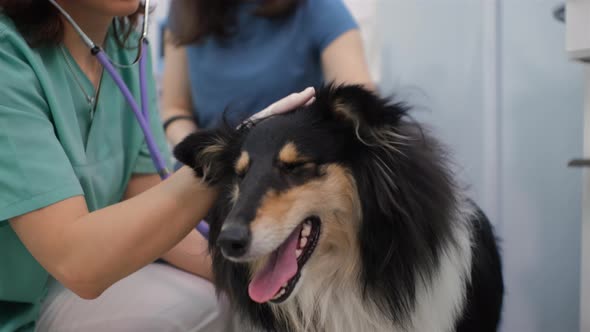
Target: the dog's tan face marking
(242, 163)
(240, 167)
(333, 198)
(289, 154)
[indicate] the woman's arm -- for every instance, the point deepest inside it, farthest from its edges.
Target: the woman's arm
(343, 61)
(191, 254)
(88, 252)
(176, 94)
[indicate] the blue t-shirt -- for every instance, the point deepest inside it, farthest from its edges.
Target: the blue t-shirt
(266, 59)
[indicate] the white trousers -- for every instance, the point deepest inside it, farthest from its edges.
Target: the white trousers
(156, 298)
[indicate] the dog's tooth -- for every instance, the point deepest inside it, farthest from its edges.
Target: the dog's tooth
(279, 294)
(298, 252)
(306, 230)
(302, 242)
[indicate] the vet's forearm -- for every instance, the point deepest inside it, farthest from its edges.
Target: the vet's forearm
(122, 238)
(191, 255)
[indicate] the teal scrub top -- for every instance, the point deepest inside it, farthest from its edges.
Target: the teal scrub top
(51, 149)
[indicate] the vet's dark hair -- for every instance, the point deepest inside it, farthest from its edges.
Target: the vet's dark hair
(40, 24)
(191, 21)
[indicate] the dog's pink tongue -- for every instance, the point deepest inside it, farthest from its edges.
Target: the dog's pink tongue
(281, 267)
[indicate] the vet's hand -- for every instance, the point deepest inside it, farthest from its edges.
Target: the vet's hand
(286, 104)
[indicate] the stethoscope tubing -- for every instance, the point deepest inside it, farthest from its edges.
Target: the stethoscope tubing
(141, 113)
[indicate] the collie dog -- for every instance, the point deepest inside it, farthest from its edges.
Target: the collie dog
(344, 216)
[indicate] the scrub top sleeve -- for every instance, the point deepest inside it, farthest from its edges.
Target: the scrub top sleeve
(34, 169)
(328, 20)
(144, 163)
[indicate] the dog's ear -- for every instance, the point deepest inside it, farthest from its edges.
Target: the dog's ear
(208, 152)
(370, 116)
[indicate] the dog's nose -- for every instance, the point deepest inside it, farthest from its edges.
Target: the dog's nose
(234, 240)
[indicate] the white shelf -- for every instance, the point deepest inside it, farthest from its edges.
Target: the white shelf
(578, 48)
(578, 29)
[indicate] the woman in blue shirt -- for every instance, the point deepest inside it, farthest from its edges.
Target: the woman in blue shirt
(241, 55)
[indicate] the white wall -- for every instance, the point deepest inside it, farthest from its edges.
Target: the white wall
(365, 14)
(543, 126)
(494, 80)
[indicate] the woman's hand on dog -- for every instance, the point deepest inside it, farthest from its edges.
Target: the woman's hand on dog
(286, 104)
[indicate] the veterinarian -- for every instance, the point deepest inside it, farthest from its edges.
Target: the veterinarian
(83, 214)
(242, 55)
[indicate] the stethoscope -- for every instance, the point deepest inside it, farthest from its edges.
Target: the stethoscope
(141, 114)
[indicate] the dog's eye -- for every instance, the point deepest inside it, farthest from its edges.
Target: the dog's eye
(295, 167)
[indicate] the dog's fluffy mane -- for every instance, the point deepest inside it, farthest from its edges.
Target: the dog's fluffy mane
(414, 216)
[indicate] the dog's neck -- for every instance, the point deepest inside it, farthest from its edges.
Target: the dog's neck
(332, 300)
(330, 304)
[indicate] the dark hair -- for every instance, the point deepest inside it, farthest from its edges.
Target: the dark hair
(191, 21)
(40, 24)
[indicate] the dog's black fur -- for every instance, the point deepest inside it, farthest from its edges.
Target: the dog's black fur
(409, 198)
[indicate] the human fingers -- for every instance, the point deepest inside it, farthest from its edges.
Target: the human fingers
(286, 104)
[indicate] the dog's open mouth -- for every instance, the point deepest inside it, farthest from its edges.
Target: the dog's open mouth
(276, 280)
